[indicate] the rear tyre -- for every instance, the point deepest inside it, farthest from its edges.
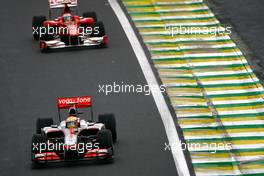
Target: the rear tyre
(90, 15)
(98, 29)
(110, 123)
(41, 123)
(105, 139)
(37, 23)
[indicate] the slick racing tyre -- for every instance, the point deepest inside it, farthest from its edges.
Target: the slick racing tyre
(98, 29)
(37, 141)
(46, 35)
(90, 15)
(104, 138)
(41, 123)
(110, 123)
(38, 145)
(37, 23)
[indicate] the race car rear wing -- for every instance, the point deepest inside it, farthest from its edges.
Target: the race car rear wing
(77, 102)
(61, 3)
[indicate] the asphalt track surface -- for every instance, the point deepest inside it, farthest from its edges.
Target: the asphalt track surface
(31, 81)
(247, 21)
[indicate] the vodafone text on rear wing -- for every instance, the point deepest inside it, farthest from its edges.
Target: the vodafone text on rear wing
(77, 102)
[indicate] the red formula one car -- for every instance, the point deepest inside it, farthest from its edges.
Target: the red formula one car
(67, 29)
(74, 138)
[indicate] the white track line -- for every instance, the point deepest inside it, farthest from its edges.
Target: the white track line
(165, 114)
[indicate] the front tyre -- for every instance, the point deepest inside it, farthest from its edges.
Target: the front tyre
(46, 34)
(104, 138)
(110, 123)
(38, 145)
(37, 24)
(98, 30)
(38, 141)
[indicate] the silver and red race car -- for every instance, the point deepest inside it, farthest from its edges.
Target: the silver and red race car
(74, 138)
(67, 29)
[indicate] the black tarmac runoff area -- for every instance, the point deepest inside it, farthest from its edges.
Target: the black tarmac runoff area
(31, 82)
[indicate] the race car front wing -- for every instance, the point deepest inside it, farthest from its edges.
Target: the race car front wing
(95, 154)
(86, 42)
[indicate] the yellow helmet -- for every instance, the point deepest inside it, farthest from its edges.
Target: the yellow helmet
(72, 122)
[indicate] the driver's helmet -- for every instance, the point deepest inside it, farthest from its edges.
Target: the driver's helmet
(73, 111)
(72, 122)
(67, 17)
